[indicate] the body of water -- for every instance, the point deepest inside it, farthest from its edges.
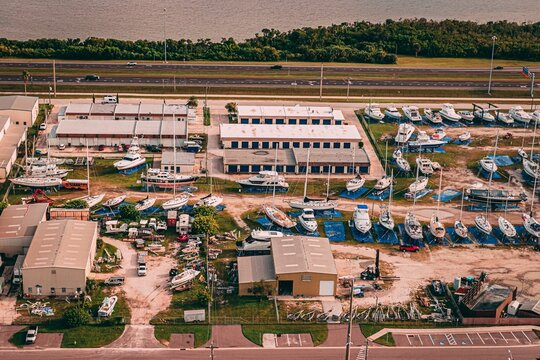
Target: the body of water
(214, 19)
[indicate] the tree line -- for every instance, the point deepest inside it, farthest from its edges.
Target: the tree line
(360, 42)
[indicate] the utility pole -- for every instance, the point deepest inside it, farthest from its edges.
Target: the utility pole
(321, 82)
(165, 35)
(533, 75)
(50, 88)
(349, 327)
(54, 76)
(493, 38)
(348, 87)
(174, 82)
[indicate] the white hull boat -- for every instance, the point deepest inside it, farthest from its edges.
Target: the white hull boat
(412, 113)
(45, 161)
(255, 246)
(115, 227)
(522, 153)
(413, 228)
(307, 220)
(396, 154)
(107, 306)
(210, 200)
(315, 204)
(506, 227)
(519, 115)
(37, 182)
(484, 115)
(535, 117)
(385, 218)
(482, 224)
(392, 113)
(373, 112)
(404, 133)
(176, 202)
(505, 118)
(424, 165)
(383, 183)
(433, 116)
(265, 235)
(531, 168)
(403, 164)
(132, 158)
(531, 225)
(466, 115)
(466, 136)
(93, 200)
(265, 180)
(278, 217)
(460, 229)
(488, 165)
(425, 142)
(165, 179)
(448, 113)
(436, 227)
(439, 134)
(355, 183)
(183, 278)
(114, 201)
(145, 204)
(419, 185)
(361, 219)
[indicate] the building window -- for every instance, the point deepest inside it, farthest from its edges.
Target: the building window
(305, 145)
(63, 290)
(285, 145)
(280, 121)
(16, 123)
(292, 121)
(326, 168)
(296, 145)
(256, 121)
(316, 145)
(53, 272)
(268, 121)
(337, 145)
(255, 168)
(255, 145)
(267, 167)
(303, 121)
(316, 122)
(244, 168)
(326, 145)
(306, 277)
(24, 123)
(275, 145)
(315, 169)
(279, 168)
(166, 168)
(265, 145)
(29, 290)
(234, 144)
(290, 168)
(347, 145)
(327, 122)
(245, 144)
(244, 121)
(338, 122)
(233, 169)
(339, 169)
(53, 291)
(78, 290)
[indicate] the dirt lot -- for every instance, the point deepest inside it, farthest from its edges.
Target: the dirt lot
(508, 266)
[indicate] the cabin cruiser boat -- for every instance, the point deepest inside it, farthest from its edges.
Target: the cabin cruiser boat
(466, 115)
(466, 136)
(531, 225)
(439, 134)
(107, 306)
(132, 158)
(505, 118)
(484, 115)
(373, 111)
(448, 113)
(115, 201)
(436, 227)
(425, 142)
(403, 164)
(265, 180)
(488, 165)
(531, 168)
(385, 218)
(265, 235)
(433, 116)
(315, 204)
(361, 219)
(145, 204)
(383, 183)
(392, 113)
(518, 114)
(482, 224)
(165, 179)
(404, 133)
(506, 227)
(176, 202)
(307, 220)
(278, 217)
(535, 116)
(210, 200)
(424, 165)
(418, 185)
(254, 246)
(412, 113)
(37, 182)
(413, 228)
(493, 196)
(355, 183)
(183, 278)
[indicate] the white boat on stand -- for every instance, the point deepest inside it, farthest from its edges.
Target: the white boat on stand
(506, 227)
(519, 115)
(418, 185)
(466, 115)
(357, 181)
(114, 201)
(373, 111)
(448, 113)
(132, 158)
(37, 182)
(265, 180)
(177, 201)
(392, 113)
(145, 204)
(484, 115)
(361, 219)
(307, 220)
(412, 113)
(91, 200)
(488, 165)
(435, 225)
(532, 226)
(385, 216)
(466, 136)
(403, 164)
(413, 228)
(504, 118)
(265, 235)
(404, 133)
(183, 278)
(459, 228)
(107, 306)
(482, 224)
(433, 116)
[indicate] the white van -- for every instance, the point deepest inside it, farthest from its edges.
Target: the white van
(115, 280)
(109, 99)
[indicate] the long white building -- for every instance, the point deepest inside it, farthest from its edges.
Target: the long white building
(290, 115)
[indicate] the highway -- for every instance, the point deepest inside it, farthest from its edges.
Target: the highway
(374, 353)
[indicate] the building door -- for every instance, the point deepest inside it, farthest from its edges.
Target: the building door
(326, 288)
(285, 287)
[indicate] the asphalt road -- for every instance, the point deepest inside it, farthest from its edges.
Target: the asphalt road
(226, 81)
(377, 353)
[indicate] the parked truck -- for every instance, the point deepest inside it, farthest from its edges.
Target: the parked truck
(17, 269)
(141, 263)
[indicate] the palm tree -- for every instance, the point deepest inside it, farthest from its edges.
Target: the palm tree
(231, 107)
(25, 76)
(192, 102)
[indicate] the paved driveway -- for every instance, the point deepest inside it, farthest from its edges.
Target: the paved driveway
(472, 338)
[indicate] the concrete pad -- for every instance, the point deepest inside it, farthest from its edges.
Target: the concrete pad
(182, 341)
(294, 340)
(269, 341)
(337, 335)
(136, 336)
(47, 340)
(6, 332)
(229, 336)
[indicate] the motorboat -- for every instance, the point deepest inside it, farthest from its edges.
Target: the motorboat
(448, 113)
(522, 153)
(373, 111)
(265, 180)
(531, 225)
(403, 164)
(425, 142)
(466, 115)
(439, 134)
(278, 217)
(39, 182)
(412, 113)
(383, 183)
(114, 201)
(115, 227)
(361, 219)
(506, 227)
(484, 115)
(307, 220)
(265, 235)
(460, 229)
(107, 306)
(392, 113)
(418, 185)
(466, 136)
(45, 170)
(424, 165)
(385, 218)
(145, 204)
(93, 200)
(45, 161)
(436, 166)
(413, 228)
(404, 133)
(504, 118)
(482, 224)
(183, 278)
(436, 227)
(355, 183)
(521, 116)
(254, 246)
(397, 153)
(165, 179)
(209, 200)
(531, 168)
(176, 202)
(493, 196)
(132, 158)
(315, 204)
(488, 165)
(433, 116)
(535, 116)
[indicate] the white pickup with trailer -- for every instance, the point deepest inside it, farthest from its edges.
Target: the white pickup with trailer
(141, 263)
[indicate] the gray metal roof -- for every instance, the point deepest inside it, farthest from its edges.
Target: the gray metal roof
(182, 158)
(21, 220)
(303, 254)
(257, 157)
(25, 103)
(331, 156)
(255, 268)
(491, 297)
(289, 132)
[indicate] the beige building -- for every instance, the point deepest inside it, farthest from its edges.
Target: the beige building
(60, 258)
(11, 137)
(185, 162)
(18, 223)
(298, 266)
(23, 110)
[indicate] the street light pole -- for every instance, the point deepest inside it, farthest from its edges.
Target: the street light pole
(493, 38)
(348, 87)
(165, 34)
(321, 82)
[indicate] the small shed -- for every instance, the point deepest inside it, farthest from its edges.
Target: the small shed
(183, 225)
(194, 315)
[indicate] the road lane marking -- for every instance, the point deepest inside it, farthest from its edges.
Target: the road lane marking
(523, 332)
(433, 342)
(503, 337)
(408, 339)
(492, 337)
(469, 338)
(514, 335)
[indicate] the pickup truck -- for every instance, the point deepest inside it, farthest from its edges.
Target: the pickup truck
(31, 334)
(141, 270)
(141, 263)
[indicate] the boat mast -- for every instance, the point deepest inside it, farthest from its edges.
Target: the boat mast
(87, 168)
(275, 179)
(307, 167)
(491, 173)
(391, 186)
(353, 159)
(385, 158)
(461, 208)
(174, 155)
(533, 193)
(533, 139)
(440, 193)
(328, 184)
